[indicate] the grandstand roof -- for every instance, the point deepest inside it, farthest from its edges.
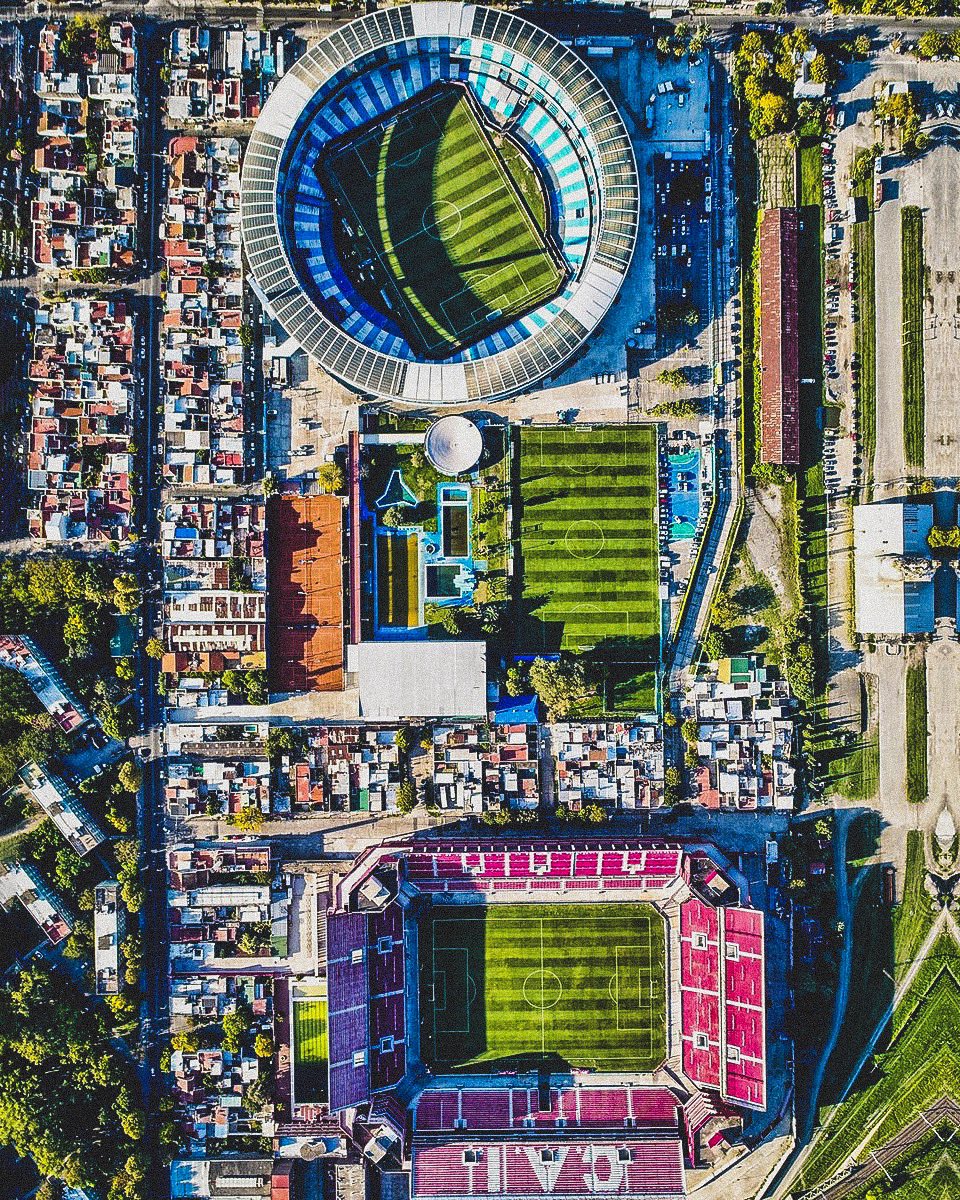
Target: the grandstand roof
(518, 73)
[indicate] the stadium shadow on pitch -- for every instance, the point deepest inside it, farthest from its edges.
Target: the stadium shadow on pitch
(459, 1024)
(451, 312)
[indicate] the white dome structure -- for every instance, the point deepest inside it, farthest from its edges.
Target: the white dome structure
(453, 445)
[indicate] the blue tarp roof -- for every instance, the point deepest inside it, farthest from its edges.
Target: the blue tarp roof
(516, 710)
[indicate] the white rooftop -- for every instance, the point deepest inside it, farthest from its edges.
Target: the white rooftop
(422, 679)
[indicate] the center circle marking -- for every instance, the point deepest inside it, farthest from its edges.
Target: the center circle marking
(584, 539)
(442, 219)
(542, 989)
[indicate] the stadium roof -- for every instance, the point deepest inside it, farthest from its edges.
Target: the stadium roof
(422, 679)
(454, 445)
(893, 568)
(515, 68)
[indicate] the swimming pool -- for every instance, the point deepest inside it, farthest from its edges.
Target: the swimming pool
(684, 494)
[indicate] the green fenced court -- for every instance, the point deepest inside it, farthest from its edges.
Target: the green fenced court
(590, 551)
(528, 984)
(455, 248)
(310, 1054)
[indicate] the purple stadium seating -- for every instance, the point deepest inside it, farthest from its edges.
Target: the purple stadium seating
(347, 1009)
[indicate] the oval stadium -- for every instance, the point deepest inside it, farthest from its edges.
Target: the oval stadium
(439, 203)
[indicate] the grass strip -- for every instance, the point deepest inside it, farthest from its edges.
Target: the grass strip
(917, 732)
(865, 340)
(911, 244)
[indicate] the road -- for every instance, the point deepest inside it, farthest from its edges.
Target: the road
(727, 494)
(155, 1014)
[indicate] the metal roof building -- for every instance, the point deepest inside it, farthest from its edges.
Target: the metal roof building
(893, 568)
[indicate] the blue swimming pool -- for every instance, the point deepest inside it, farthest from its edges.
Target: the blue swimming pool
(684, 494)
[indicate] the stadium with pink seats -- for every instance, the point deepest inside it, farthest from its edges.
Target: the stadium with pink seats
(521, 1019)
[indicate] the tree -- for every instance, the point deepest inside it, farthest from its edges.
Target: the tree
(690, 731)
(683, 410)
(255, 686)
(773, 113)
(247, 820)
(134, 1124)
(931, 44)
(941, 538)
(124, 670)
(263, 1045)
(394, 517)
(330, 477)
(127, 597)
(78, 631)
(714, 646)
(861, 45)
(593, 814)
(186, 1041)
(50, 1189)
(234, 1027)
(561, 684)
(270, 485)
(406, 797)
(820, 69)
(515, 682)
(129, 777)
(675, 377)
(154, 648)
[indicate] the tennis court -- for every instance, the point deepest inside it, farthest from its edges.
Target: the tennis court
(310, 1052)
(455, 249)
(590, 551)
(578, 984)
(306, 593)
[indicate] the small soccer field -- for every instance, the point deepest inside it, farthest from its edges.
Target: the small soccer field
(582, 985)
(590, 550)
(310, 1053)
(456, 249)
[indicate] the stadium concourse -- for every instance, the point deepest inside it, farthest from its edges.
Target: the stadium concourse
(539, 1121)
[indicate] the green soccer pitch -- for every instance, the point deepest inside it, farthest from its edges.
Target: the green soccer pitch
(310, 1050)
(590, 551)
(458, 249)
(577, 984)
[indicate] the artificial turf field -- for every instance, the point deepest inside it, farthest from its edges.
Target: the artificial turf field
(582, 984)
(398, 580)
(459, 251)
(310, 1050)
(590, 550)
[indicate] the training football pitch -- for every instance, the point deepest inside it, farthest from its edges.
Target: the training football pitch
(590, 549)
(310, 1050)
(458, 252)
(580, 984)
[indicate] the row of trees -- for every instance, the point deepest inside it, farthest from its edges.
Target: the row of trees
(766, 68)
(67, 1098)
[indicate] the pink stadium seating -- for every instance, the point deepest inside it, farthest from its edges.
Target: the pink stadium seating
(503, 1108)
(532, 1169)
